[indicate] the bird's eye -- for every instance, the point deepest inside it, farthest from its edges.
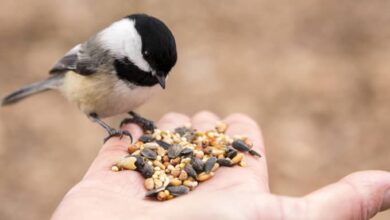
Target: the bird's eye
(146, 53)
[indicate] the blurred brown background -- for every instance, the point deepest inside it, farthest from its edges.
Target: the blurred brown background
(314, 74)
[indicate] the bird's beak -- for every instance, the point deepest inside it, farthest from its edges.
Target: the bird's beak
(161, 80)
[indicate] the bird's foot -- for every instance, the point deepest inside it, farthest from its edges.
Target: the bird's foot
(145, 124)
(117, 133)
(111, 131)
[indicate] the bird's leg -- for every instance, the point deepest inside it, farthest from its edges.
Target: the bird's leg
(145, 124)
(111, 131)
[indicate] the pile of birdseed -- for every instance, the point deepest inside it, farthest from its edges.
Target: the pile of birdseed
(174, 163)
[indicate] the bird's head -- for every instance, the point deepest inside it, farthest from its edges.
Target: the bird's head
(143, 48)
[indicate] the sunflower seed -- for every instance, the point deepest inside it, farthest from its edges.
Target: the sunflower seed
(186, 152)
(240, 145)
(254, 153)
(208, 166)
(231, 153)
(224, 162)
(163, 144)
(139, 162)
(174, 151)
(178, 190)
(148, 153)
(187, 133)
(147, 170)
(190, 170)
(146, 138)
(197, 164)
(189, 136)
(182, 130)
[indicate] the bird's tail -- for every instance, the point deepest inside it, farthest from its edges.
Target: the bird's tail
(52, 82)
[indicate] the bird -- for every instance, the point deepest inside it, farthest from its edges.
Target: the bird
(113, 72)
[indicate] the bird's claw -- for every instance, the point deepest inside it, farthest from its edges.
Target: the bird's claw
(145, 124)
(116, 133)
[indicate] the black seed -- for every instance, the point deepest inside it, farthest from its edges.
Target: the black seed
(190, 171)
(231, 153)
(148, 153)
(146, 170)
(224, 162)
(182, 130)
(186, 152)
(254, 153)
(174, 151)
(208, 166)
(163, 144)
(178, 190)
(146, 138)
(189, 136)
(139, 162)
(188, 133)
(240, 145)
(197, 164)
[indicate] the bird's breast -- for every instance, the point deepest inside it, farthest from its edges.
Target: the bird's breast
(104, 94)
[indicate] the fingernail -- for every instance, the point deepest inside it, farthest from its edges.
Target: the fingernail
(386, 201)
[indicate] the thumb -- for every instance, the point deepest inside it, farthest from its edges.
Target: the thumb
(360, 195)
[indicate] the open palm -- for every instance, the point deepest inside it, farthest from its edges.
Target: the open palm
(233, 193)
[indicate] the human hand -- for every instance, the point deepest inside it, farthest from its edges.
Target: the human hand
(233, 193)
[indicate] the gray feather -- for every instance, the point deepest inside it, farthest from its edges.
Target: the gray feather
(68, 62)
(85, 59)
(52, 82)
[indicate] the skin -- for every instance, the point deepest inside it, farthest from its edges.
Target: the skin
(233, 193)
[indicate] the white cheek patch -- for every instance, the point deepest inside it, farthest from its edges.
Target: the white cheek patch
(122, 39)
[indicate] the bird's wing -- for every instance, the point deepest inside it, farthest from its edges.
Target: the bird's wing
(76, 61)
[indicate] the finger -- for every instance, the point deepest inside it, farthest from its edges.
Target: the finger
(204, 120)
(114, 149)
(240, 124)
(172, 120)
(252, 178)
(358, 196)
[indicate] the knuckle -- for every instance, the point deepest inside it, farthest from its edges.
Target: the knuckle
(205, 114)
(173, 116)
(242, 119)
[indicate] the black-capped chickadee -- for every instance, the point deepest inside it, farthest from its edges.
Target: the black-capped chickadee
(114, 71)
